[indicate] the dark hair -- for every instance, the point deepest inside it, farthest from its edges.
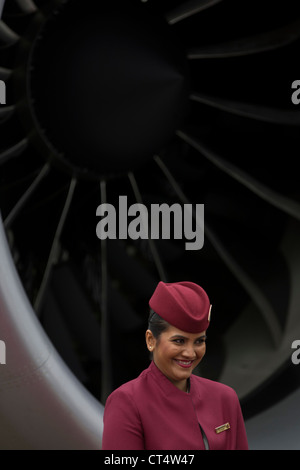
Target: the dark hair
(156, 324)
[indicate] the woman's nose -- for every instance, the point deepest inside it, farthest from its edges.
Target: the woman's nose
(189, 352)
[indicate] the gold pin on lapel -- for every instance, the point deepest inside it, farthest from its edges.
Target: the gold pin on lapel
(222, 428)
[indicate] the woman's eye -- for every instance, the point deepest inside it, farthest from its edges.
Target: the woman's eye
(181, 341)
(201, 341)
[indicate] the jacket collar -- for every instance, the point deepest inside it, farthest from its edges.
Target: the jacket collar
(167, 386)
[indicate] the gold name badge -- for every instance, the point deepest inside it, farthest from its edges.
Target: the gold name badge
(222, 428)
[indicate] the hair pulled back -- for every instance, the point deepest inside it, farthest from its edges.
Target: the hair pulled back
(156, 324)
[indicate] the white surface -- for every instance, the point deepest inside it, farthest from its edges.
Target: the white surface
(277, 428)
(42, 404)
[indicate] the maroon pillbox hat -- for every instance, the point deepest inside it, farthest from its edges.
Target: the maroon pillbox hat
(184, 305)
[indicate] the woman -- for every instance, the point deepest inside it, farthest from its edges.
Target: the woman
(167, 407)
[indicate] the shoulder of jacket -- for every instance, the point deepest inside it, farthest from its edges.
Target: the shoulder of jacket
(212, 386)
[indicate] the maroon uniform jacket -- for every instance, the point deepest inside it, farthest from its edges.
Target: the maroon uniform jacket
(151, 413)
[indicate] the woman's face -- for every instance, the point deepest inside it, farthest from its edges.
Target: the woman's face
(176, 353)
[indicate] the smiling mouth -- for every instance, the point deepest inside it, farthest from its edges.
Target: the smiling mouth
(184, 364)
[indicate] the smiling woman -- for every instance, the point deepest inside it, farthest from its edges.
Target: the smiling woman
(176, 353)
(192, 412)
